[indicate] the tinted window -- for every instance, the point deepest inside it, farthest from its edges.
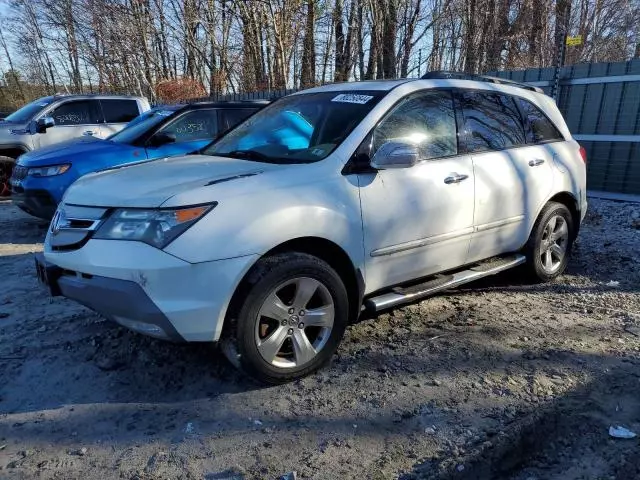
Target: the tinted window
(80, 112)
(540, 129)
(491, 121)
(235, 116)
(119, 111)
(195, 125)
(142, 124)
(426, 119)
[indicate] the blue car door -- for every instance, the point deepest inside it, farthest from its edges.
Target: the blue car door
(192, 130)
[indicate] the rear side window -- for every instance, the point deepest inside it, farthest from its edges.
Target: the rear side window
(231, 118)
(492, 121)
(76, 112)
(119, 111)
(426, 119)
(539, 128)
(194, 125)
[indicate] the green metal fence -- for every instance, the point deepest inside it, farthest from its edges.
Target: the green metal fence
(601, 104)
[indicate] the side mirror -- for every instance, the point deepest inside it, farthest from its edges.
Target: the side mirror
(395, 154)
(43, 123)
(162, 138)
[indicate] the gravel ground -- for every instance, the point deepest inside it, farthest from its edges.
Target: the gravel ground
(499, 379)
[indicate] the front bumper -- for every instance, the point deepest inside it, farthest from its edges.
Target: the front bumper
(148, 290)
(119, 300)
(38, 203)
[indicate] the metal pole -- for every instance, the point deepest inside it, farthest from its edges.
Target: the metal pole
(561, 47)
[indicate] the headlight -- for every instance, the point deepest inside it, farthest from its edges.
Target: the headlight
(49, 171)
(157, 227)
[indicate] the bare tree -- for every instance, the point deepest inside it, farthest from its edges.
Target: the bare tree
(246, 45)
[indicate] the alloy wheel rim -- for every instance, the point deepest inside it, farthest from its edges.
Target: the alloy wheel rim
(294, 322)
(553, 247)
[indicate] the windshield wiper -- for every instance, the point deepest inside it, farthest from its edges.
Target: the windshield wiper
(256, 156)
(249, 155)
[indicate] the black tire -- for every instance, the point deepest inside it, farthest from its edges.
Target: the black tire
(239, 340)
(536, 245)
(6, 168)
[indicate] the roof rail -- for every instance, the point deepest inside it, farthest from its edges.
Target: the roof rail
(443, 74)
(202, 101)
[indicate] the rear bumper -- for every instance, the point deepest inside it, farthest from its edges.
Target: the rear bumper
(39, 203)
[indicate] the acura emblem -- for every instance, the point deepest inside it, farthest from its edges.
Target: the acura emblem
(59, 221)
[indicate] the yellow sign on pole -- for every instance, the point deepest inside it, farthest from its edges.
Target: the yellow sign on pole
(574, 41)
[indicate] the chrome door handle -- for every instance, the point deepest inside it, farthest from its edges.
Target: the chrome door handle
(88, 133)
(455, 178)
(536, 162)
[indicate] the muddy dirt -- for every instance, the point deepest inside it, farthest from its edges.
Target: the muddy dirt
(499, 379)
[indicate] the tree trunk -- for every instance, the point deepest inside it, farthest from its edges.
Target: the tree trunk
(308, 73)
(339, 64)
(389, 39)
(470, 37)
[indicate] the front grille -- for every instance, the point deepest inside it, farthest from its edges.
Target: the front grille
(20, 172)
(73, 226)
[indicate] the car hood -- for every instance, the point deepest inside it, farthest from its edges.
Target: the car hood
(149, 184)
(74, 150)
(9, 130)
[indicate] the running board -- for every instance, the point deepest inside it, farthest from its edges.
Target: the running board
(401, 295)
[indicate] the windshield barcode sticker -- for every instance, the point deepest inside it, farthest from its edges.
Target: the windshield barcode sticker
(352, 98)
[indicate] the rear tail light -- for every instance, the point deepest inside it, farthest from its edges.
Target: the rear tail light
(583, 154)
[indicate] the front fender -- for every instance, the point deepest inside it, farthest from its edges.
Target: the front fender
(254, 224)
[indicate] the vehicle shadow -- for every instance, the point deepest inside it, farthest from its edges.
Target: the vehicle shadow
(183, 394)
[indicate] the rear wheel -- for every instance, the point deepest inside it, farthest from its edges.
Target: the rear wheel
(287, 319)
(550, 242)
(6, 167)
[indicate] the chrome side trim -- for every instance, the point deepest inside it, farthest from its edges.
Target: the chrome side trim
(421, 242)
(500, 223)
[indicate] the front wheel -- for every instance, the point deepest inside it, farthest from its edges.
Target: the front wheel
(550, 242)
(287, 319)
(6, 167)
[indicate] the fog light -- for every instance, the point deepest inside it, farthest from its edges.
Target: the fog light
(141, 327)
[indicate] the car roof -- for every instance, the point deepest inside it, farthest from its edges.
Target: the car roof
(381, 85)
(437, 79)
(224, 104)
(60, 96)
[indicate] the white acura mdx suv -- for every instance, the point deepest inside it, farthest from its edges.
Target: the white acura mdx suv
(329, 201)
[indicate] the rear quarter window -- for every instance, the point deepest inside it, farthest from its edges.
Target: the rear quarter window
(539, 128)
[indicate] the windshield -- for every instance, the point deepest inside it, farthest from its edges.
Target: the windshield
(29, 111)
(301, 128)
(142, 124)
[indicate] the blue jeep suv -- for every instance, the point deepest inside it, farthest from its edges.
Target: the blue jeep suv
(41, 177)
